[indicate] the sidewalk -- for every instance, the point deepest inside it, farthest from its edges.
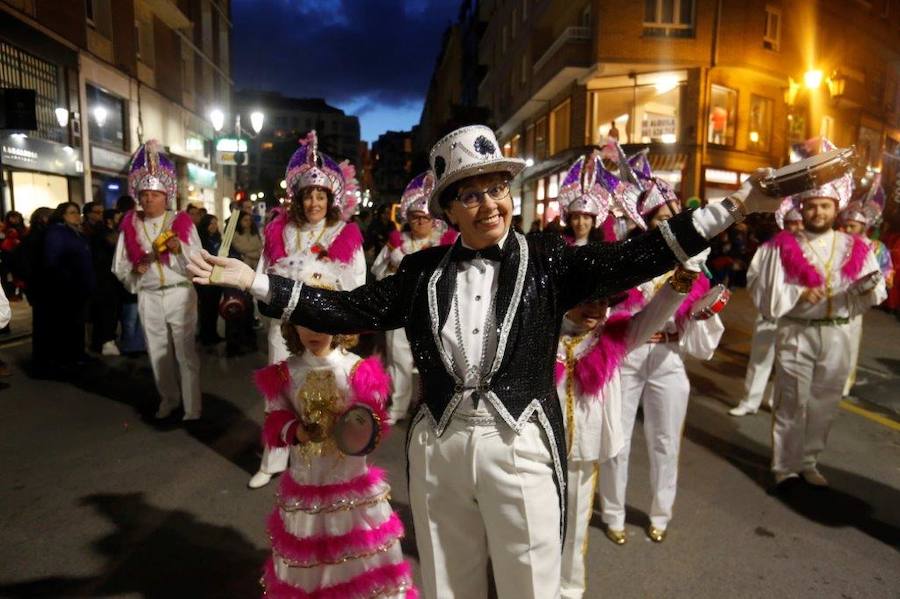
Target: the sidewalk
(20, 325)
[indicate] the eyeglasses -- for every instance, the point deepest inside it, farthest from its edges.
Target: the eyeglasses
(473, 198)
(420, 218)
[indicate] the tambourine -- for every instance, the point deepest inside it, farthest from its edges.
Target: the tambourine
(160, 243)
(233, 305)
(808, 173)
(357, 431)
(712, 302)
(867, 283)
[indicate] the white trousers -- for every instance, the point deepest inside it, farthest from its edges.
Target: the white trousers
(810, 372)
(480, 492)
(400, 368)
(169, 318)
(275, 459)
(762, 358)
(582, 486)
(652, 376)
(856, 331)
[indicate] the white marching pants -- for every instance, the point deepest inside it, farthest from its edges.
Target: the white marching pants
(582, 486)
(400, 369)
(652, 376)
(169, 318)
(856, 331)
(762, 358)
(812, 366)
(481, 491)
(275, 459)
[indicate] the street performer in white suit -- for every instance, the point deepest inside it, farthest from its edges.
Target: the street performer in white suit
(813, 282)
(151, 255)
(425, 231)
(486, 449)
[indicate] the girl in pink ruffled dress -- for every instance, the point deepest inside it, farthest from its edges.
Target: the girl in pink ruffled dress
(333, 532)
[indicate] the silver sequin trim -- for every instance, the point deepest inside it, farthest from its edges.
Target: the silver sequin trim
(292, 303)
(672, 242)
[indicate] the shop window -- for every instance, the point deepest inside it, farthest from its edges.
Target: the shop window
(540, 139)
(669, 18)
(760, 124)
(24, 70)
(722, 115)
(516, 146)
(98, 15)
(106, 118)
(772, 33)
(560, 127)
(654, 103)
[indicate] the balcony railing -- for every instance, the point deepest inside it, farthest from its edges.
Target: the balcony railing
(571, 34)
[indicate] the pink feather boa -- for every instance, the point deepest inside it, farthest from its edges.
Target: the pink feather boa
(372, 583)
(700, 286)
(274, 425)
(181, 226)
(273, 380)
(364, 485)
(799, 270)
(449, 237)
(595, 369)
(395, 239)
(342, 248)
(331, 549)
(371, 386)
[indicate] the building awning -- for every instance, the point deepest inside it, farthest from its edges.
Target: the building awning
(667, 162)
(552, 165)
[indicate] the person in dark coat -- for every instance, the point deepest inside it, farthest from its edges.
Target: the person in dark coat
(208, 297)
(105, 303)
(70, 282)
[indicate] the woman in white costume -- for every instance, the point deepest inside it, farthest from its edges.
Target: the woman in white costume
(653, 376)
(423, 231)
(310, 239)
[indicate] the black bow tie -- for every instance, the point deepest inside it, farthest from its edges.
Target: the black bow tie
(464, 254)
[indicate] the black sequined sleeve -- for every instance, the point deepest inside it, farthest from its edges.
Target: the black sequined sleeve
(380, 305)
(602, 269)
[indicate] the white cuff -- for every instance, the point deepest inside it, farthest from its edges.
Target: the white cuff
(259, 289)
(712, 220)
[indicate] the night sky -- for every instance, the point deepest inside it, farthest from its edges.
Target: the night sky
(371, 58)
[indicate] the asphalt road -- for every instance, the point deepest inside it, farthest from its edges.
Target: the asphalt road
(98, 499)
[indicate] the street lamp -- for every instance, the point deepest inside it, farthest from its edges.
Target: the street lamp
(62, 116)
(256, 121)
(812, 79)
(217, 118)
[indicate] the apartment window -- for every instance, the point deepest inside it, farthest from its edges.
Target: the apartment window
(24, 70)
(669, 18)
(106, 118)
(98, 14)
(646, 112)
(586, 16)
(89, 11)
(144, 42)
(772, 34)
(529, 141)
(722, 115)
(560, 127)
(540, 139)
(760, 124)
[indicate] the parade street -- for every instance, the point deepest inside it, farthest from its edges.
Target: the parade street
(101, 500)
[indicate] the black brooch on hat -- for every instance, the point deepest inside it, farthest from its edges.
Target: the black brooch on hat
(439, 167)
(484, 146)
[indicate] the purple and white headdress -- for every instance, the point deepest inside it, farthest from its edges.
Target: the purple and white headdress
(310, 168)
(151, 170)
(787, 211)
(583, 191)
(868, 209)
(840, 190)
(415, 196)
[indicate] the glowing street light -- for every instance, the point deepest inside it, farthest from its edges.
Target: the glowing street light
(62, 116)
(99, 115)
(283, 184)
(256, 121)
(529, 162)
(754, 137)
(217, 118)
(812, 79)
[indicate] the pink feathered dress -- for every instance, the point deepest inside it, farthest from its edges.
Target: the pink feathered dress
(333, 532)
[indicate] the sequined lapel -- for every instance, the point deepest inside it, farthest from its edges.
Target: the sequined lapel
(441, 286)
(506, 281)
(446, 287)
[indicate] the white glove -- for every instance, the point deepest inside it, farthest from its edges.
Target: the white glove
(231, 272)
(695, 263)
(396, 257)
(752, 196)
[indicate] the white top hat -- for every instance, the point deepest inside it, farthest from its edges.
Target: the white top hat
(466, 152)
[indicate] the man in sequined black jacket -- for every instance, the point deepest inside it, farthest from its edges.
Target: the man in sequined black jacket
(483, 449)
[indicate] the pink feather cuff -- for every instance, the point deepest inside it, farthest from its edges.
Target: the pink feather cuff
(383, 581)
